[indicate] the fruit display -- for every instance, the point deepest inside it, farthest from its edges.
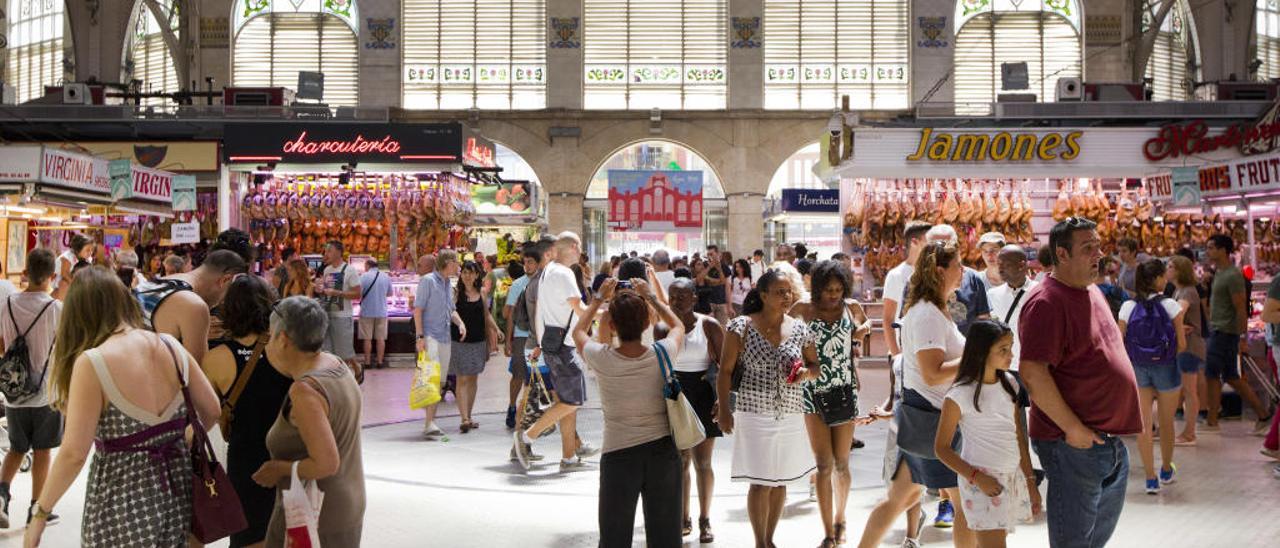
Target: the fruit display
(881, 209)
(426, 212)
(503, 198)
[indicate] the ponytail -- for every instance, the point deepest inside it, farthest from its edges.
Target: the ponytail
(752, 303)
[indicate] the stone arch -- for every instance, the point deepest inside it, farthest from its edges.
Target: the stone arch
(781, 165)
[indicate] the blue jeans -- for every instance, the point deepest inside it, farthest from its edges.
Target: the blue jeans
(1086, 491)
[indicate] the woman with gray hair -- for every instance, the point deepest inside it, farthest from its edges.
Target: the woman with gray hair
(318, 428)
(127, 268)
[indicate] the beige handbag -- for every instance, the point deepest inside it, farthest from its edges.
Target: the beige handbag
(686, 428)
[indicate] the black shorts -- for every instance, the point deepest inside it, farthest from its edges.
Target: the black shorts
(697, 388)
(567, 376)
(33, 428)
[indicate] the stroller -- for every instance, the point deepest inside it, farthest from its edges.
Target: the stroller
(4, 442)
(1262, 380)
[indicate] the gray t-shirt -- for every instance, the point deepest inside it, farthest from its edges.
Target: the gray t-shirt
(635, 411)
(24, 307)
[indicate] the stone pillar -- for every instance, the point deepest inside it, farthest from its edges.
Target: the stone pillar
(932, 57)
(564, 212)
(746, 63)
(97, 38)
(213, 59)
(746, 223)
(1110, 55)
(564, 64)
(380, 73)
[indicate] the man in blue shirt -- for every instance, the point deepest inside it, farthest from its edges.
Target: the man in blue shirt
(970, 302)
(433, 311)
(375, 287)
(518, 332)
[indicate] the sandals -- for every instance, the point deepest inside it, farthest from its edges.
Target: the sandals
(686, 528)
(840, 528)
(466, 427)
(828, 543)
(705, 536)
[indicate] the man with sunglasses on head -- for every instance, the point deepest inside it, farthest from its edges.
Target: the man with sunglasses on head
(179, 304)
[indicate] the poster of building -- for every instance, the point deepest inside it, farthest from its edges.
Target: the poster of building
(655, 200)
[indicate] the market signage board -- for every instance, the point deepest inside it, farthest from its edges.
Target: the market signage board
(76, 171)
(166, 155)
(811, 200)
(19, 163)
(996, 146)
(121, 178)
(184, 192)
(655, 200)
(343, 143)
(1249, 175)
(184, 233)
(511, 198)
(144, 183)
(1186, 186)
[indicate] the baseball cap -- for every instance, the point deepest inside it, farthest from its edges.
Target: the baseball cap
(991, 238)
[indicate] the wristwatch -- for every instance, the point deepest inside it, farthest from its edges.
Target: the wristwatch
(420, 336)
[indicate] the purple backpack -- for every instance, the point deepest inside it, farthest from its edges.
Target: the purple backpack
(1149, 337)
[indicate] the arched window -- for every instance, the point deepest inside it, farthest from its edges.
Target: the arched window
(461, 54)
(35, 47)
(1174, 50)
(817, 50)
(277, 39)
(642, 54)
(1045, 34)
(1268, 38)
(147, 57)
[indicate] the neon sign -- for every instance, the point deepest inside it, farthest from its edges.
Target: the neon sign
(478, 154)
(359, 145)
(1175, 140)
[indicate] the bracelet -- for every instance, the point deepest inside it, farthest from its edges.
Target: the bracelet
(973, 475)
(40, 512)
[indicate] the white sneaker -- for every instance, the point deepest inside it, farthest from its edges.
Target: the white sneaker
(431, 430)
(521, 450)
(586, 450)
(573, 465)
(910, 543)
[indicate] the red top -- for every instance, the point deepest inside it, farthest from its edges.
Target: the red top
(1072, 331)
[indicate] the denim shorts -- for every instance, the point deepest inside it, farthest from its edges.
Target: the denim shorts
(1190, 364)
(1222, 357)
(1163, 378)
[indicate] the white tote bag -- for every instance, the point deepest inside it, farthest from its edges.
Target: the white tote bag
(302, 504)
(686, 428)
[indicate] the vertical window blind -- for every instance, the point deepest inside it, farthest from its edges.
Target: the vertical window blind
(641, 54)
(271, 49)
(1173, 50)
(150, 58)
(1048, 43)
(488, 54)
(1268, 38)
(815, 51)
(35, 47)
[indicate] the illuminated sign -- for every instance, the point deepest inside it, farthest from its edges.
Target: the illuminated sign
(1177, 140)
(478, 153)
(349, 142)
(358, 145)
(1003, 146)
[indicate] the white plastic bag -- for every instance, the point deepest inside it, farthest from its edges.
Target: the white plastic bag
(302, 512)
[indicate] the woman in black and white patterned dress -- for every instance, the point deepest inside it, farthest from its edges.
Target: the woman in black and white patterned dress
(774, 353)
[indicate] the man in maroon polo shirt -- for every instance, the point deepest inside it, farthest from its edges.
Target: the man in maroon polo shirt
(1083, 391)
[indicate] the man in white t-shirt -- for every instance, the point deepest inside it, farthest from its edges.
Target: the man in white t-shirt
(1007, 299)
(896, 281)
(339, 286)
(33, 425)
(559, 308)
(662, 268)
(757, 266)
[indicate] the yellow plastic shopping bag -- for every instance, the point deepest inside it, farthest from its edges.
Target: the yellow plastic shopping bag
(426, 382)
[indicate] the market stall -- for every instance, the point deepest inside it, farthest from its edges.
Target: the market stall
(507, 214)
(393, 192)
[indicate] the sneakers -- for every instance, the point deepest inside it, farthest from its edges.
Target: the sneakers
(511, 416)
(1153, 486)
(521, 449)
(4, 509)
(586, 450)
(813, 492)
(572, 465)
(1276, 471)
(431, 431)
(528, 450)
(1166, 476)
(915, 538)
(1261, 427)
(946, 515)
(910, 543)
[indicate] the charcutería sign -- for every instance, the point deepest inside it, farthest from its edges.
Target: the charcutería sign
(1003, 146)
(1176, 140)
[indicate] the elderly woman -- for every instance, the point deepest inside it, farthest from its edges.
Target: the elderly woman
(640, 458)
(774, 352)
(318, 427)
(127, 268)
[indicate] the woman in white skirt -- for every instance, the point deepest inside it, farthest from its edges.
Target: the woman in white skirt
(766, 355)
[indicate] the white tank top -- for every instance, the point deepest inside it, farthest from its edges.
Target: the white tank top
(693, 356)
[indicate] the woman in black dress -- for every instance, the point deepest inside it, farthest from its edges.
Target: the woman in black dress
(704, 289)
(245, 314)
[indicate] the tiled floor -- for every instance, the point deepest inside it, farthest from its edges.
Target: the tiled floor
(464, 492)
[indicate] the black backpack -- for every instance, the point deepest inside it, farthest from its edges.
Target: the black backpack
(522, 312)
(16, 380)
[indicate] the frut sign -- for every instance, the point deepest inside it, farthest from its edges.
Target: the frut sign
(1002, 146)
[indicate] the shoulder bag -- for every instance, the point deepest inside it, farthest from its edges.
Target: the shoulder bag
(838, 404)
(686, 427)
(229, 402)
(215, 508)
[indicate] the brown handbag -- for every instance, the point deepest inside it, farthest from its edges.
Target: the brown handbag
(229, 403)
(215, 508)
